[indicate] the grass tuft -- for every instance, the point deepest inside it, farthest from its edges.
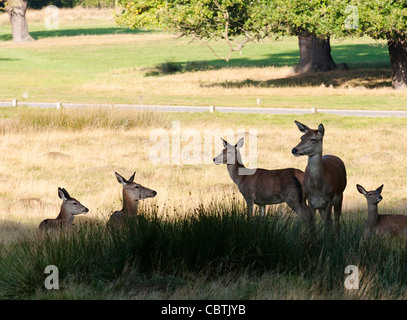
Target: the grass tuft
(83, 118)
(212, 243)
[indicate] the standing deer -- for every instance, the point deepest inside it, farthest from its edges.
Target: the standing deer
(264, 187)
(381, 224)
(132, 193)
(69, 208)
(324, 176)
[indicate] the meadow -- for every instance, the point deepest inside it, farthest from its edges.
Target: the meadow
(193, 240)
(90, 59)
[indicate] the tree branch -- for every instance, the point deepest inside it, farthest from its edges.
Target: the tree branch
(232, 49)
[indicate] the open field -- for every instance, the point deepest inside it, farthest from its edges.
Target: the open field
(193, 240)
(80, 150)
(90, 59)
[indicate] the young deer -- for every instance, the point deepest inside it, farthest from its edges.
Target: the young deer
(264, 187)
(132, 193)
(324, 176)
(69, 208)
(381, 224)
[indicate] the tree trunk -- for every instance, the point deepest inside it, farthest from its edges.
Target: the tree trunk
(398, 60)
(315, 55)
(16, 10)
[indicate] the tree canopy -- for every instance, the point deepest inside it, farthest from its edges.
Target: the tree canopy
(205, 20)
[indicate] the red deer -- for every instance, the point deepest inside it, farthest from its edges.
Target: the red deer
(69, 208)
(381, 224)
(132, 193)
(264, 187)
(324, 176)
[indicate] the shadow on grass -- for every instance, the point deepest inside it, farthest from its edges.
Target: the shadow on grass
(367, 78)
(77, 32)
(369, 67)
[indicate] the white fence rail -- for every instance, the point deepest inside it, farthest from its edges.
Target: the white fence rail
(167, 108)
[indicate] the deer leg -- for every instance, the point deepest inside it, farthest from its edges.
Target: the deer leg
(262, 210)
(250, 205)
(326, 214)
(337, 212)
(305, 213)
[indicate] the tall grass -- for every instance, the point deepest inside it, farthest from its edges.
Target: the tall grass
(214, 242)
(82, 118)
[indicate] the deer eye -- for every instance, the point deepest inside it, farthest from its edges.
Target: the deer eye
(136, 187)
(313, 140)
(75, 204)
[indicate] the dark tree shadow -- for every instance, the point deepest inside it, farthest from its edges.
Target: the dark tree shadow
(368, 78)
(369, 67)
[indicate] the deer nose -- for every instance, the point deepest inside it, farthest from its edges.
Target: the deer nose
(294, 151)
(154, 193)
(86, 210)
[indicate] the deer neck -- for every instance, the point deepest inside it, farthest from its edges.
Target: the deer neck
(130, 206)
(235, 168)
(315, 169)
(372, 214)
(64, 216)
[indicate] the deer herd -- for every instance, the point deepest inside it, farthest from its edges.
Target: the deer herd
(320, 187)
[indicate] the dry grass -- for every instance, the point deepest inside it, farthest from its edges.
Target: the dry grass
(34, 162)
(78, 15)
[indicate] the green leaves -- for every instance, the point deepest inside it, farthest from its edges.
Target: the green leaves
(266, 18)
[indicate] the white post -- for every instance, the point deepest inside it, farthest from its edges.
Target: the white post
(14, 103)
(59, 105)
(211, 109)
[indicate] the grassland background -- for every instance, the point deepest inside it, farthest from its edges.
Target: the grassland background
(96, 61)
(90, 59)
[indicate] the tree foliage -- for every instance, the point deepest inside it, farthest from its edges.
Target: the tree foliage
(256, 19)
(379, 19)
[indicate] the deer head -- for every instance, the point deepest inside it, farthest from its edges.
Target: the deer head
(230, 154)
(70, 206)
(373, 197)
(311, 141)
(134, 191)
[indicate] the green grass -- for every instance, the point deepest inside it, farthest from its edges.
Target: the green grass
(152, 257)
(102, 72)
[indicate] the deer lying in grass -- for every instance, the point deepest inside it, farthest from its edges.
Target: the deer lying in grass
(69, 208)
(264, 187)
(132, 193)
(324, 176)
(381, 224)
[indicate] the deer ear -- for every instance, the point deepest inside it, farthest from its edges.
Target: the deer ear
(63, 194)
(302, 127)
(379, 190)
(121, 180)
(132, 177)
(239, 144)
(321, 130)
(225, 143)
(361, 189)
